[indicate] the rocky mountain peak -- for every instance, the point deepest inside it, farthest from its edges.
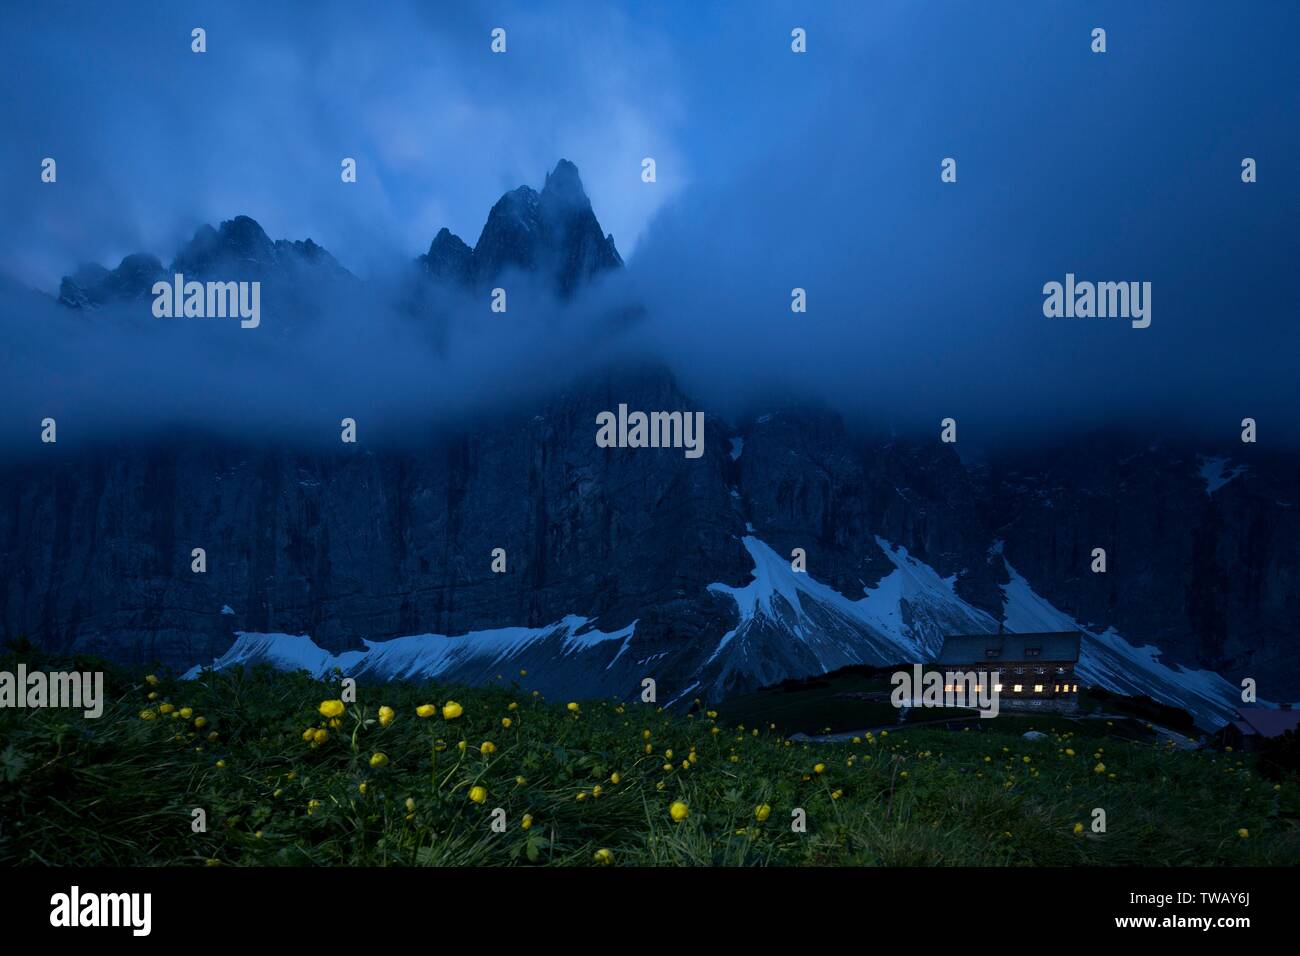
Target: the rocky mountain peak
(238, 248)
(553, 233)
(564, 184)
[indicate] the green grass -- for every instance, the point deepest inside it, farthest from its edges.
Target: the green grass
(120, 790)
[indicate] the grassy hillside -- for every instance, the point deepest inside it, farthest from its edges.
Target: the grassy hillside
(593, 782)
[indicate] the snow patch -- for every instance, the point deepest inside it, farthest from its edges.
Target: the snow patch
(1217, 473)
(416, 656)
(904, 617)
(1108, 660)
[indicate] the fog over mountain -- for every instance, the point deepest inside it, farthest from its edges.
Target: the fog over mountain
(924, 298)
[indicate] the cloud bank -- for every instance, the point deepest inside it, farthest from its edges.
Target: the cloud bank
(777, 171)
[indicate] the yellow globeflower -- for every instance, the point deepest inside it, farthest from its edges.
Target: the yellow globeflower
(321, 735)
(410, 804)
(451, 710)
(1243, 833)
(513, 706)
(1100, 768)
(615, 779)
(378, 760)
(487, 747)
(478, 794)
(836, 794)
(819, 768)
(527, 821)
(331, 708)
(505, 722)
(762, 812)
(1069, 751)
(679, 811)
(166, 708)
(309, 734)
(221, 764)
(153, 695)
(520, 781)
(386, 715)
(1078, 828)
(603, 857)
(186, 712)
(362, 787)
(151, 679)
(148, 715)
(571, 707)
(426, 710)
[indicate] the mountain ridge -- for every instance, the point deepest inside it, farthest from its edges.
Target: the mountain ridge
(554, 232)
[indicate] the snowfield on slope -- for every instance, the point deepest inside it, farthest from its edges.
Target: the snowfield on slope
(906, 616)
(788, 625)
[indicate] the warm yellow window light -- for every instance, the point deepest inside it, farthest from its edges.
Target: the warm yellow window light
(1016, 688)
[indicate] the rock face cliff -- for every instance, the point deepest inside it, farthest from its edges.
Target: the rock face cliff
(629, 563)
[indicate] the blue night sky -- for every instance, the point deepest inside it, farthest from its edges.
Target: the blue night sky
(774, 171)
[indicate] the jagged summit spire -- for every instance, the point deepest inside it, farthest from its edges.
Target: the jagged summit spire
(553, 232)
(565, 183)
